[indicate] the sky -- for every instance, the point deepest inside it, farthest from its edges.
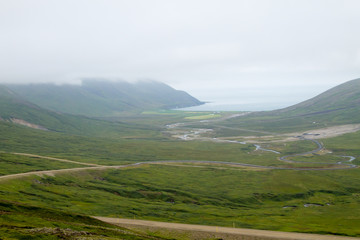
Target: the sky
(257, 53)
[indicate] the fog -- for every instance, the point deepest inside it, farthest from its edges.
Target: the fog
(258, 52)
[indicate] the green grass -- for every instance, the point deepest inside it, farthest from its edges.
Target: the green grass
(104, 98)
(345, 145)
(160, 112)
(212, 196)
(120, 151)
(160, 118)
(336, 106)
(274, 123)
(11, 107)
(203, 117)
(327, 158)
(11, 164)
(289, 148)
(21, 221)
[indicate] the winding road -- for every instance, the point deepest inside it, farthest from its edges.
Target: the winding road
(195, 131)
(258, 234)
(194, 134)
(320, 147)
(103, 167)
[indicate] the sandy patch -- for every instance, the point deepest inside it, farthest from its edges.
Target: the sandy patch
(329, 131)
(311, 134)
(27, 124)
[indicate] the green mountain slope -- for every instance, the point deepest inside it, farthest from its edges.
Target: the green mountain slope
(344, 96)
(96, 98)
(337, 106)
(15, 109)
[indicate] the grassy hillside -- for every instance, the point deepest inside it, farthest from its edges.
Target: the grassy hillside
(12, 164)
(101, 98)
(270, 199)
(14, 108)
(344, 96)
(286, 200)
(339, 105)
(21, 221)
(214, 195)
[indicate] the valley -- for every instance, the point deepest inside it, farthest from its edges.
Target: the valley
(282, 171)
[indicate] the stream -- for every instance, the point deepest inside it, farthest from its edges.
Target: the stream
(196, 134)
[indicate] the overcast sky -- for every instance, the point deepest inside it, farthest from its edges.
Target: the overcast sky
(227, 51)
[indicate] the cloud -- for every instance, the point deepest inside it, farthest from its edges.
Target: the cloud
(187, 44)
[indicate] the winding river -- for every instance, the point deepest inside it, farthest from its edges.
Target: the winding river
(195, 134)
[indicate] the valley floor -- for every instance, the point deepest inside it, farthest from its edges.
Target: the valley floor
(193, 180)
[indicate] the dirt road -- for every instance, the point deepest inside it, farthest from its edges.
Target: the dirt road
(48, 172)
(240, 232)
(340, 165)
(233, 164)
(57, 159)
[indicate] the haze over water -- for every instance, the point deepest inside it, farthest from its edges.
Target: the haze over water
(254, 98)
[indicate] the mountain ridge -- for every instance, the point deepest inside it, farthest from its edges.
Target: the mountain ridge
(104, 98)
(337, 106)
(16, 110)
(345, 95)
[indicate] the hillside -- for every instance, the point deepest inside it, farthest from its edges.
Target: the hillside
(344, 96)
(21, 221)
(50, 205)
(101, 98)
(14, 109)
(337, 106)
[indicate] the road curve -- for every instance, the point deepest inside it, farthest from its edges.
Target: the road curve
(241, 232)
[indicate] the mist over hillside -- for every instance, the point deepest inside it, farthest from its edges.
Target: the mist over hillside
(104, 98)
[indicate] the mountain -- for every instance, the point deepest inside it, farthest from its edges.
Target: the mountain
(101, 98)
(341, 97)
(15, 109)
(337, 106)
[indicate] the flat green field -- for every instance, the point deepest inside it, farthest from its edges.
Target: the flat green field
(202, 117)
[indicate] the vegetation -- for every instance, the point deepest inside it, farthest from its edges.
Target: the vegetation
(214, 194)
(11, 164)
(102, 98)
(202, 117)
(339, 105)
(343, 96)
(345, 145)
(12, 107)
(271, 199)
(21, 221)
(120, 151)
